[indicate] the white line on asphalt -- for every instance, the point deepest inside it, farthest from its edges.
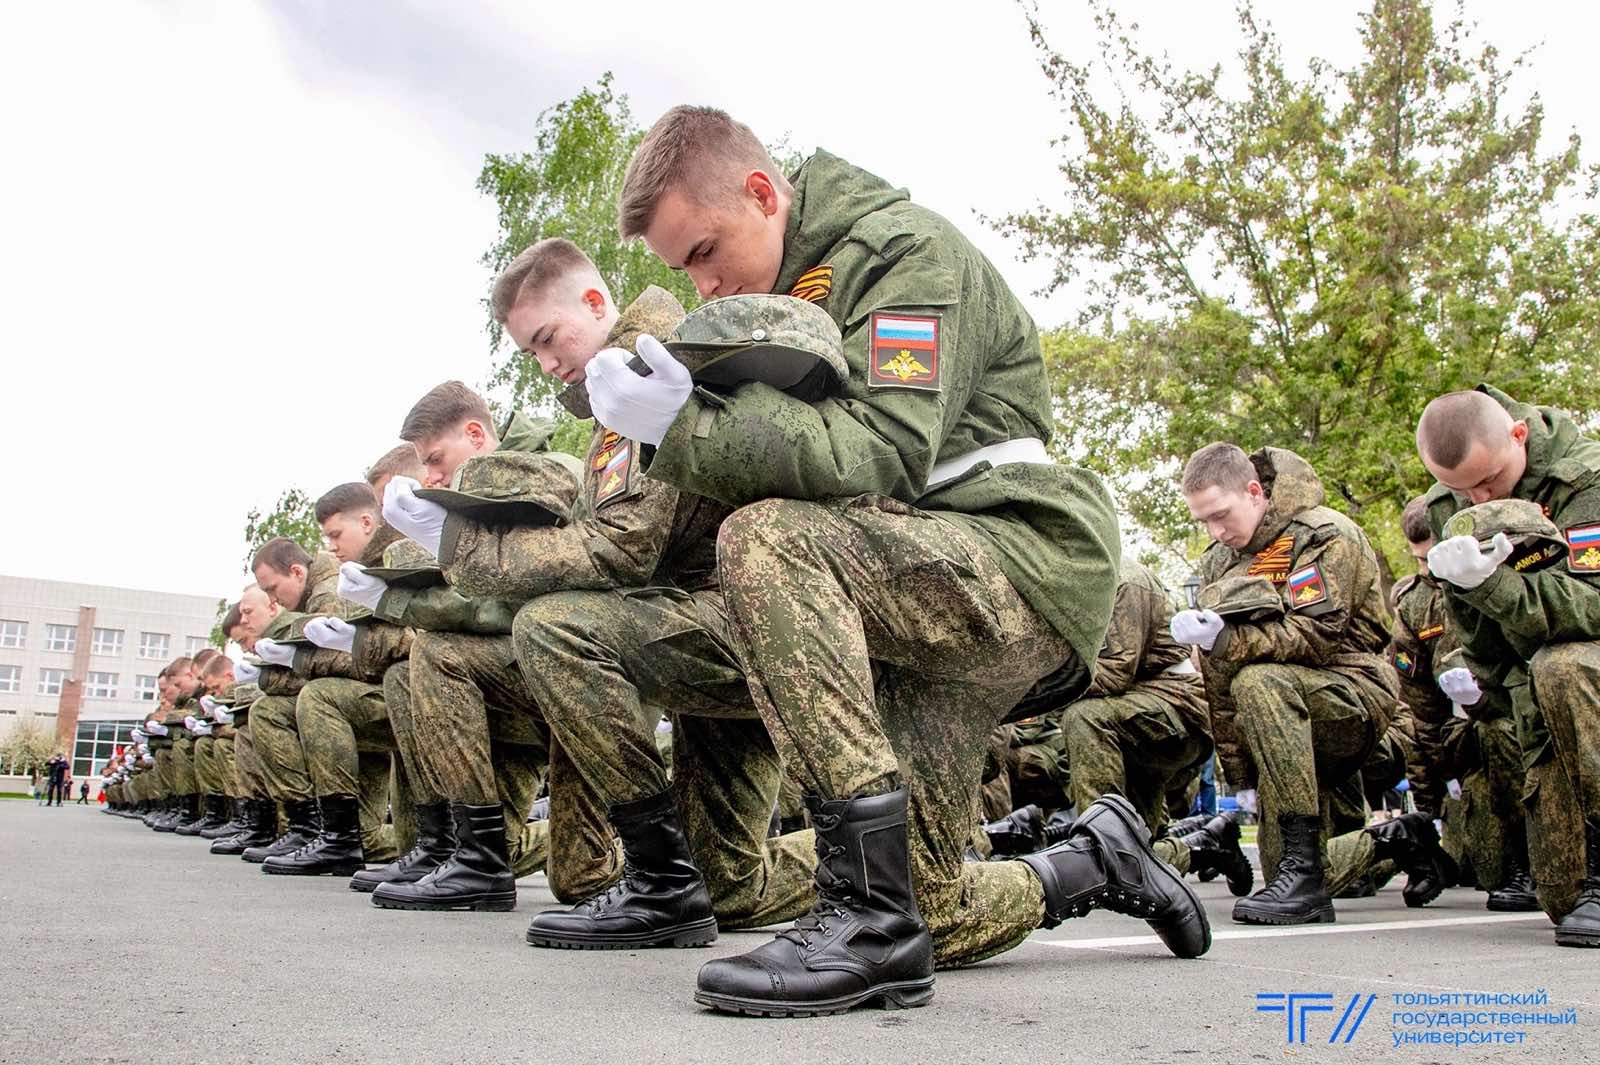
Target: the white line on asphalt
(1294, 930)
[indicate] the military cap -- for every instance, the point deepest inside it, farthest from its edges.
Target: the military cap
(1241, 597)
(416, 577)
(1536, 541)
(516, 487)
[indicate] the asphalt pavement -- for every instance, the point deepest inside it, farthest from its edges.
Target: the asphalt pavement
(122, 945)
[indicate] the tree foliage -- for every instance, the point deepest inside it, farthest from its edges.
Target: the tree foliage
(1304, 260)
(293, 515)
(27, 747)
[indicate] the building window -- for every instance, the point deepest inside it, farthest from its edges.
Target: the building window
(153, 644)
(10, 678)
(194, 644)
(96, 742)
(108, 641)
(145, 689)
(61, 637)
(100, 686)
(51, 680)
(13, 633)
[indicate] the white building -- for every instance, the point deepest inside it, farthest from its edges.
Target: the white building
(113, 640)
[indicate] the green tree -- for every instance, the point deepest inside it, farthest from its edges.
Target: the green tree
(1304, 260)
(293, 515)
(27, 747)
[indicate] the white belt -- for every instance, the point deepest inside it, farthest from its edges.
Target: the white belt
(1027, 449)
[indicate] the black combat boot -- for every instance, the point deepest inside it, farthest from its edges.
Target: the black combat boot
(1019, 832)
(660, 900)
(1581, 927)
(1182, 827)
(260, 829)
(863, 941)
(302, 817)
(171, 814)
(1106, 863)
(1362, 887)
(235, 823)
(216, 815)
(1412, 843)
(1515, 893)
(337, 849)
(477, 875)
(436, 841)
(193, 815)
(1297, 893)
(1214, 849)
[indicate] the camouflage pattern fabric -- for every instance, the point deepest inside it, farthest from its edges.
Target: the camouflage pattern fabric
(1555, 837)
(344, 733)
(277, 748)
(181, 765)
(819, 595)
(207, 770)
(249, 780)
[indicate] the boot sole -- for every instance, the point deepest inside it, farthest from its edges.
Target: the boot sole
(1141, 834)
(905, 995)
(1322, 916)
(1577, 939)
(332, 870)
(1511, 905)
(699, 934)
(487, 903)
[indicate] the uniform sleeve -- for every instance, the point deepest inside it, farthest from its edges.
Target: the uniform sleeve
(1117, 666)
(378, 646)
(1553, 605)
(441, 608)
(1308, 636)
(618, 546)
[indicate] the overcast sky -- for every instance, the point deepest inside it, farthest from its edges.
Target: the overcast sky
(241, 239)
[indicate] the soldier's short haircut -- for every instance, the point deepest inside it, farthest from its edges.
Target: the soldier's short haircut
(351, 497)
(280, 553)
(1453, 422)
(1414, 521)
(218, 665)
(231, 619)
(178, 665)
(203, 657)
(1220, 465)
(399, 461)
(534, 270)
(691, 149)
(442, 409)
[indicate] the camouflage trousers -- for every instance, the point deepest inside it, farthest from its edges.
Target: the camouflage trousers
(227, 770)
(1384, 768)
(480, 739)
(1555, 837)
(182, 765)
(1488, 819)
(207, 768)
(1137, 745)
(882, 646)
(601, 664)
(161, 773)
(248, 779)
(1566, 686)
(1309, 731)
(343, 727)
(277, 748)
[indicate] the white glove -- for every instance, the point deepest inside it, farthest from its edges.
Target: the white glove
(358, 586)
(1463, 563)
(145, 759)
(335, 634)
(138, 735)
(1453, 786)
(201, 728)
(221, 715)
(1246, 800)
(278, 654)
(639, 408)
(1461, 686)
(155, 728)
(208, 704)
(245, 673)
(144, 748)
(1199, 627)
(190, 721)
(421, 520)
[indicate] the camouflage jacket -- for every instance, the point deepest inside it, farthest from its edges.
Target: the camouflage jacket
(1139, 651)
(1523, 612)
(312, 661)
(627, 530)
(1334, 614)
(879, 265)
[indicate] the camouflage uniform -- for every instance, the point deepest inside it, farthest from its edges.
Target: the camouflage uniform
(1143, 724)
(887, 625)
(1538, 635)
(1299, 699)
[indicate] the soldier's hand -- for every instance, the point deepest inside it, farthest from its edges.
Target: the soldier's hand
(420, 519)
(275, 653)
(201, 728)
(333, 633)
(359, 586)
(1463, 563)
(245, 673)
(190, 721)
(1460, 685)
(1246, 799)
(1199, 627)
(138, 735)
(155, 728)
(639, 408)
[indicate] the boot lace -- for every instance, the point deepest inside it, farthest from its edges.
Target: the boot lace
(835, 895)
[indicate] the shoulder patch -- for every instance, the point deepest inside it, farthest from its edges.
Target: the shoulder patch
(814, 285)
(1583, 548)
(1430, 632)
(1405, 664)
(1273, 563)
(1306, 587)
(613, 477)
(903, 351)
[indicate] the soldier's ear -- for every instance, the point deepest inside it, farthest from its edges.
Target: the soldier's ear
(595, 301)
(1519, 432)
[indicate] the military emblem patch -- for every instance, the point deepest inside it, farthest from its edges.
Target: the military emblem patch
(1273, 563)
(612, 480)
(1459, 525)
(1431, 632)
(1583, 547)
(602, 454)
(1405, 663)
(903, 352)
(814, 285)
(1306, 587)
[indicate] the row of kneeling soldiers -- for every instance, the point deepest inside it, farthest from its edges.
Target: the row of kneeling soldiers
(818, 529)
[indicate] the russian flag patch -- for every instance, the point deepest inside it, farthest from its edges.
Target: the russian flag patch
(903, 351)
(1305, 586)
(1583, 547)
